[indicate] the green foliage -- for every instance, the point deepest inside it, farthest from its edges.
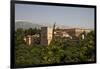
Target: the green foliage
(19, 35)
(31, 31)
(59, 51)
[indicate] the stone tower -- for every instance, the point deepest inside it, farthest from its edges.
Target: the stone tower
(46, 35)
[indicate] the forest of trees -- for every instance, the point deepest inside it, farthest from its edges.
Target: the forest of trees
(59, 50)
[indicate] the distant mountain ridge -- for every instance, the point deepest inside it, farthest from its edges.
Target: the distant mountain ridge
(26, 25)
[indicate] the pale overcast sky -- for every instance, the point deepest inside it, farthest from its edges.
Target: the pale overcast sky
(67, 16)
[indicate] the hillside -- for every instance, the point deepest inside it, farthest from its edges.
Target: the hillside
(26, 25)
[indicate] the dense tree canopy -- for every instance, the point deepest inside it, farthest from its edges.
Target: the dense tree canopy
(59, 51)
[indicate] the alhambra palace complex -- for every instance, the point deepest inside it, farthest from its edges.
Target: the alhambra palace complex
(49, 33)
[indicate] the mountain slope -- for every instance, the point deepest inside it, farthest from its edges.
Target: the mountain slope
(26, 25)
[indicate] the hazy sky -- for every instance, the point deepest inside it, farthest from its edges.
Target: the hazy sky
(68, 16)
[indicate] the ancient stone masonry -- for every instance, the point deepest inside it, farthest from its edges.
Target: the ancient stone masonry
(50, 33)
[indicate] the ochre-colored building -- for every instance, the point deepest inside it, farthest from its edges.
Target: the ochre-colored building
(31, 39)
(47, 34)
(28, 39)
(73, 33)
